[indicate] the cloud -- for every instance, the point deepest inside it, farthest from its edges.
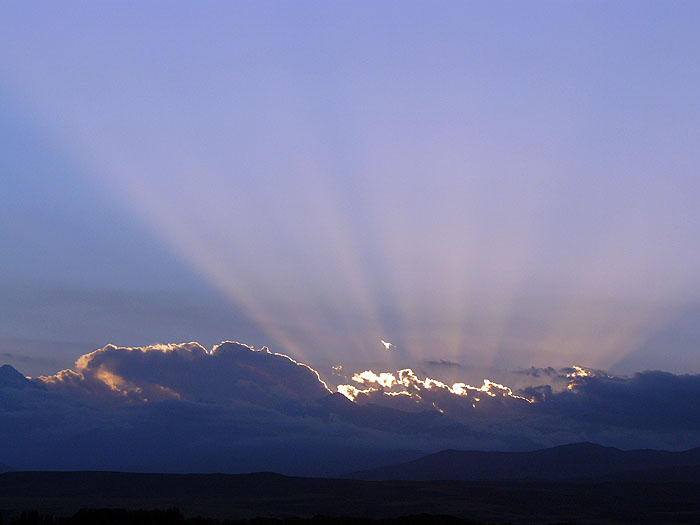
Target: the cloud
(181, 407)
(557, 378)
(231, 372)
(652, 400)
(405, 390)
(444, 363)
(563, 405)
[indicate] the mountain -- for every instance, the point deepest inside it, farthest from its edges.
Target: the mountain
(5, 468)
(10, 377)
(567, 462)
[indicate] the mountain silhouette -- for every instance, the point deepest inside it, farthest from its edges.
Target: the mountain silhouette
(10, 377)
(567, 462)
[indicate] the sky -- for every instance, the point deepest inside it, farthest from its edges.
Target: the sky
(488, 186)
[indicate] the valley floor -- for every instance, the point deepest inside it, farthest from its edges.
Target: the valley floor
(246, 496)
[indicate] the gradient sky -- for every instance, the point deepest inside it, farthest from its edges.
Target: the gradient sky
(497, 184)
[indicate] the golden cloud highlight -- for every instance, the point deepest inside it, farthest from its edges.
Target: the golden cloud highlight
(406, 383)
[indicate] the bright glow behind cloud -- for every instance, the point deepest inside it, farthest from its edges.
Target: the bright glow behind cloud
(231, 372)
(237, 392)
(406, 383)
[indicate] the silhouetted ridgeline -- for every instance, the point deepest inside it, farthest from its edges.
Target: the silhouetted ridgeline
(568, 462)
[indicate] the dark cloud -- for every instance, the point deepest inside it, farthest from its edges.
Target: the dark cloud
(649, 409)
(231, 372)
(180, 407)
(538, 372)
(233, 409)
(443, 362)
(657, 401)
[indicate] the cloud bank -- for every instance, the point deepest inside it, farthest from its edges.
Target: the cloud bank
(181, 407)
(651, 408)
(231, 372)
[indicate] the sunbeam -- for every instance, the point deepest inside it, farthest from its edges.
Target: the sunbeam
(338, 203)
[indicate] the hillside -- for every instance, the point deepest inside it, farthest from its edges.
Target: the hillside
(567, 462)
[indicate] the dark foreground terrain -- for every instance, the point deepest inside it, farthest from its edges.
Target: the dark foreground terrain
(246, 496)
(173, 516)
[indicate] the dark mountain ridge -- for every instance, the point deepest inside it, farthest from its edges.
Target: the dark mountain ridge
(10, 377)
(566, 462)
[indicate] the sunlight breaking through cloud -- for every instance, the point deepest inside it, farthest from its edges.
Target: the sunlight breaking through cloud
(271, 391)
(406, 383)
(230, 372)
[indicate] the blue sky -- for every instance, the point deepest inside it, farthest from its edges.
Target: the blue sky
(498, 184)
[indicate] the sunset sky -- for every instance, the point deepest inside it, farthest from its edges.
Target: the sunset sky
(316, 237)
(487, 186)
